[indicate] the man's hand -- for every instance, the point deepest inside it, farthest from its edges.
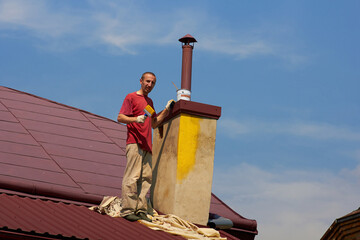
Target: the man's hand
(170, 104)
(141, 119)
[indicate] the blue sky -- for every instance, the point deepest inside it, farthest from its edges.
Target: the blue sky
(286, 74)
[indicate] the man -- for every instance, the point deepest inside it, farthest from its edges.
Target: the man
(138, 173)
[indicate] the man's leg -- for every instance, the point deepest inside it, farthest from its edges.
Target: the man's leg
(146, 179)
(131, 176)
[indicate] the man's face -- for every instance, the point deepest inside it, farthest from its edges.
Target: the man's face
(147, 83)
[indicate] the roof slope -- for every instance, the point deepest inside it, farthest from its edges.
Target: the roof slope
(58, 149)
(51, 150)
(57, 219)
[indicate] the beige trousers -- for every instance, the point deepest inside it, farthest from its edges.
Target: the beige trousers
(137, 180)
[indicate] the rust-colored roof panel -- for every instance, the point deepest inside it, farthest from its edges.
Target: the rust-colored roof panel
(40, 175)
(17, 138)
(69, 220)
(95, 178)
(93, 145)
(27, 161)
(90, 167)
(12, 127)
(104, 123)
(102, 190)
(114, 133)
(7, 93)
(57, 190)
(70, 131)
(75, 123)
(7, 116)
(120, 142)
(48, 110)
(23, 149)
(2, 107)
(78, 153)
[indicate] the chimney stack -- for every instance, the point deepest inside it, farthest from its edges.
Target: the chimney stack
(187, 49)
(183, 152)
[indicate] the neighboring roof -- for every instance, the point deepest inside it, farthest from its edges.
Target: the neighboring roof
(52, 151)
(346, 227)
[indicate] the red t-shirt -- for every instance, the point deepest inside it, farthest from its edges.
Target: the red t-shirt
(140, 133)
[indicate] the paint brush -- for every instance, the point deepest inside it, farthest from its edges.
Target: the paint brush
(149, 111)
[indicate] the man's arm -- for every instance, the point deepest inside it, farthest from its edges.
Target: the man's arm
(156, 121)
(125, 119)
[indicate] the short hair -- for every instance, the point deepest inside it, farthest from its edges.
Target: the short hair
(151, 73)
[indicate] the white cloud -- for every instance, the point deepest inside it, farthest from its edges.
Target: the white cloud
(241, 49)
(37, 17)
(289, 204)
(323, 131)
(125, 25)
(122, 26)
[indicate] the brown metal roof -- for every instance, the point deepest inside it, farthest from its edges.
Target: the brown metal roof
(50, 150)
(56, 147)
(56, 219)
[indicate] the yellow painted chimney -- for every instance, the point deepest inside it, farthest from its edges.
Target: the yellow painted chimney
(183, 160)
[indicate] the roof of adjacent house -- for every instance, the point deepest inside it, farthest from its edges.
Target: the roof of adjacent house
(345, 227)
(56, 160)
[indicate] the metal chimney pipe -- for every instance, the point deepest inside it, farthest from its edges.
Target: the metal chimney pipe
(187, 50)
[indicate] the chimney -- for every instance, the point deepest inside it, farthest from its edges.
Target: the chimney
(187, 49)
(187, 61)
(183, 152)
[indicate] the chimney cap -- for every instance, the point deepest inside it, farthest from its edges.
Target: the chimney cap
(187, 39)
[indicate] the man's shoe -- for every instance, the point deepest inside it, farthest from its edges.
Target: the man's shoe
(132, 217)
(143, 216)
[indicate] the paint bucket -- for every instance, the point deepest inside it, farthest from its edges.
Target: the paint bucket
(183, 94)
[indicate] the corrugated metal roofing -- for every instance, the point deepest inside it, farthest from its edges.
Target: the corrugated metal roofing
(53, 150)
(35, 216)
